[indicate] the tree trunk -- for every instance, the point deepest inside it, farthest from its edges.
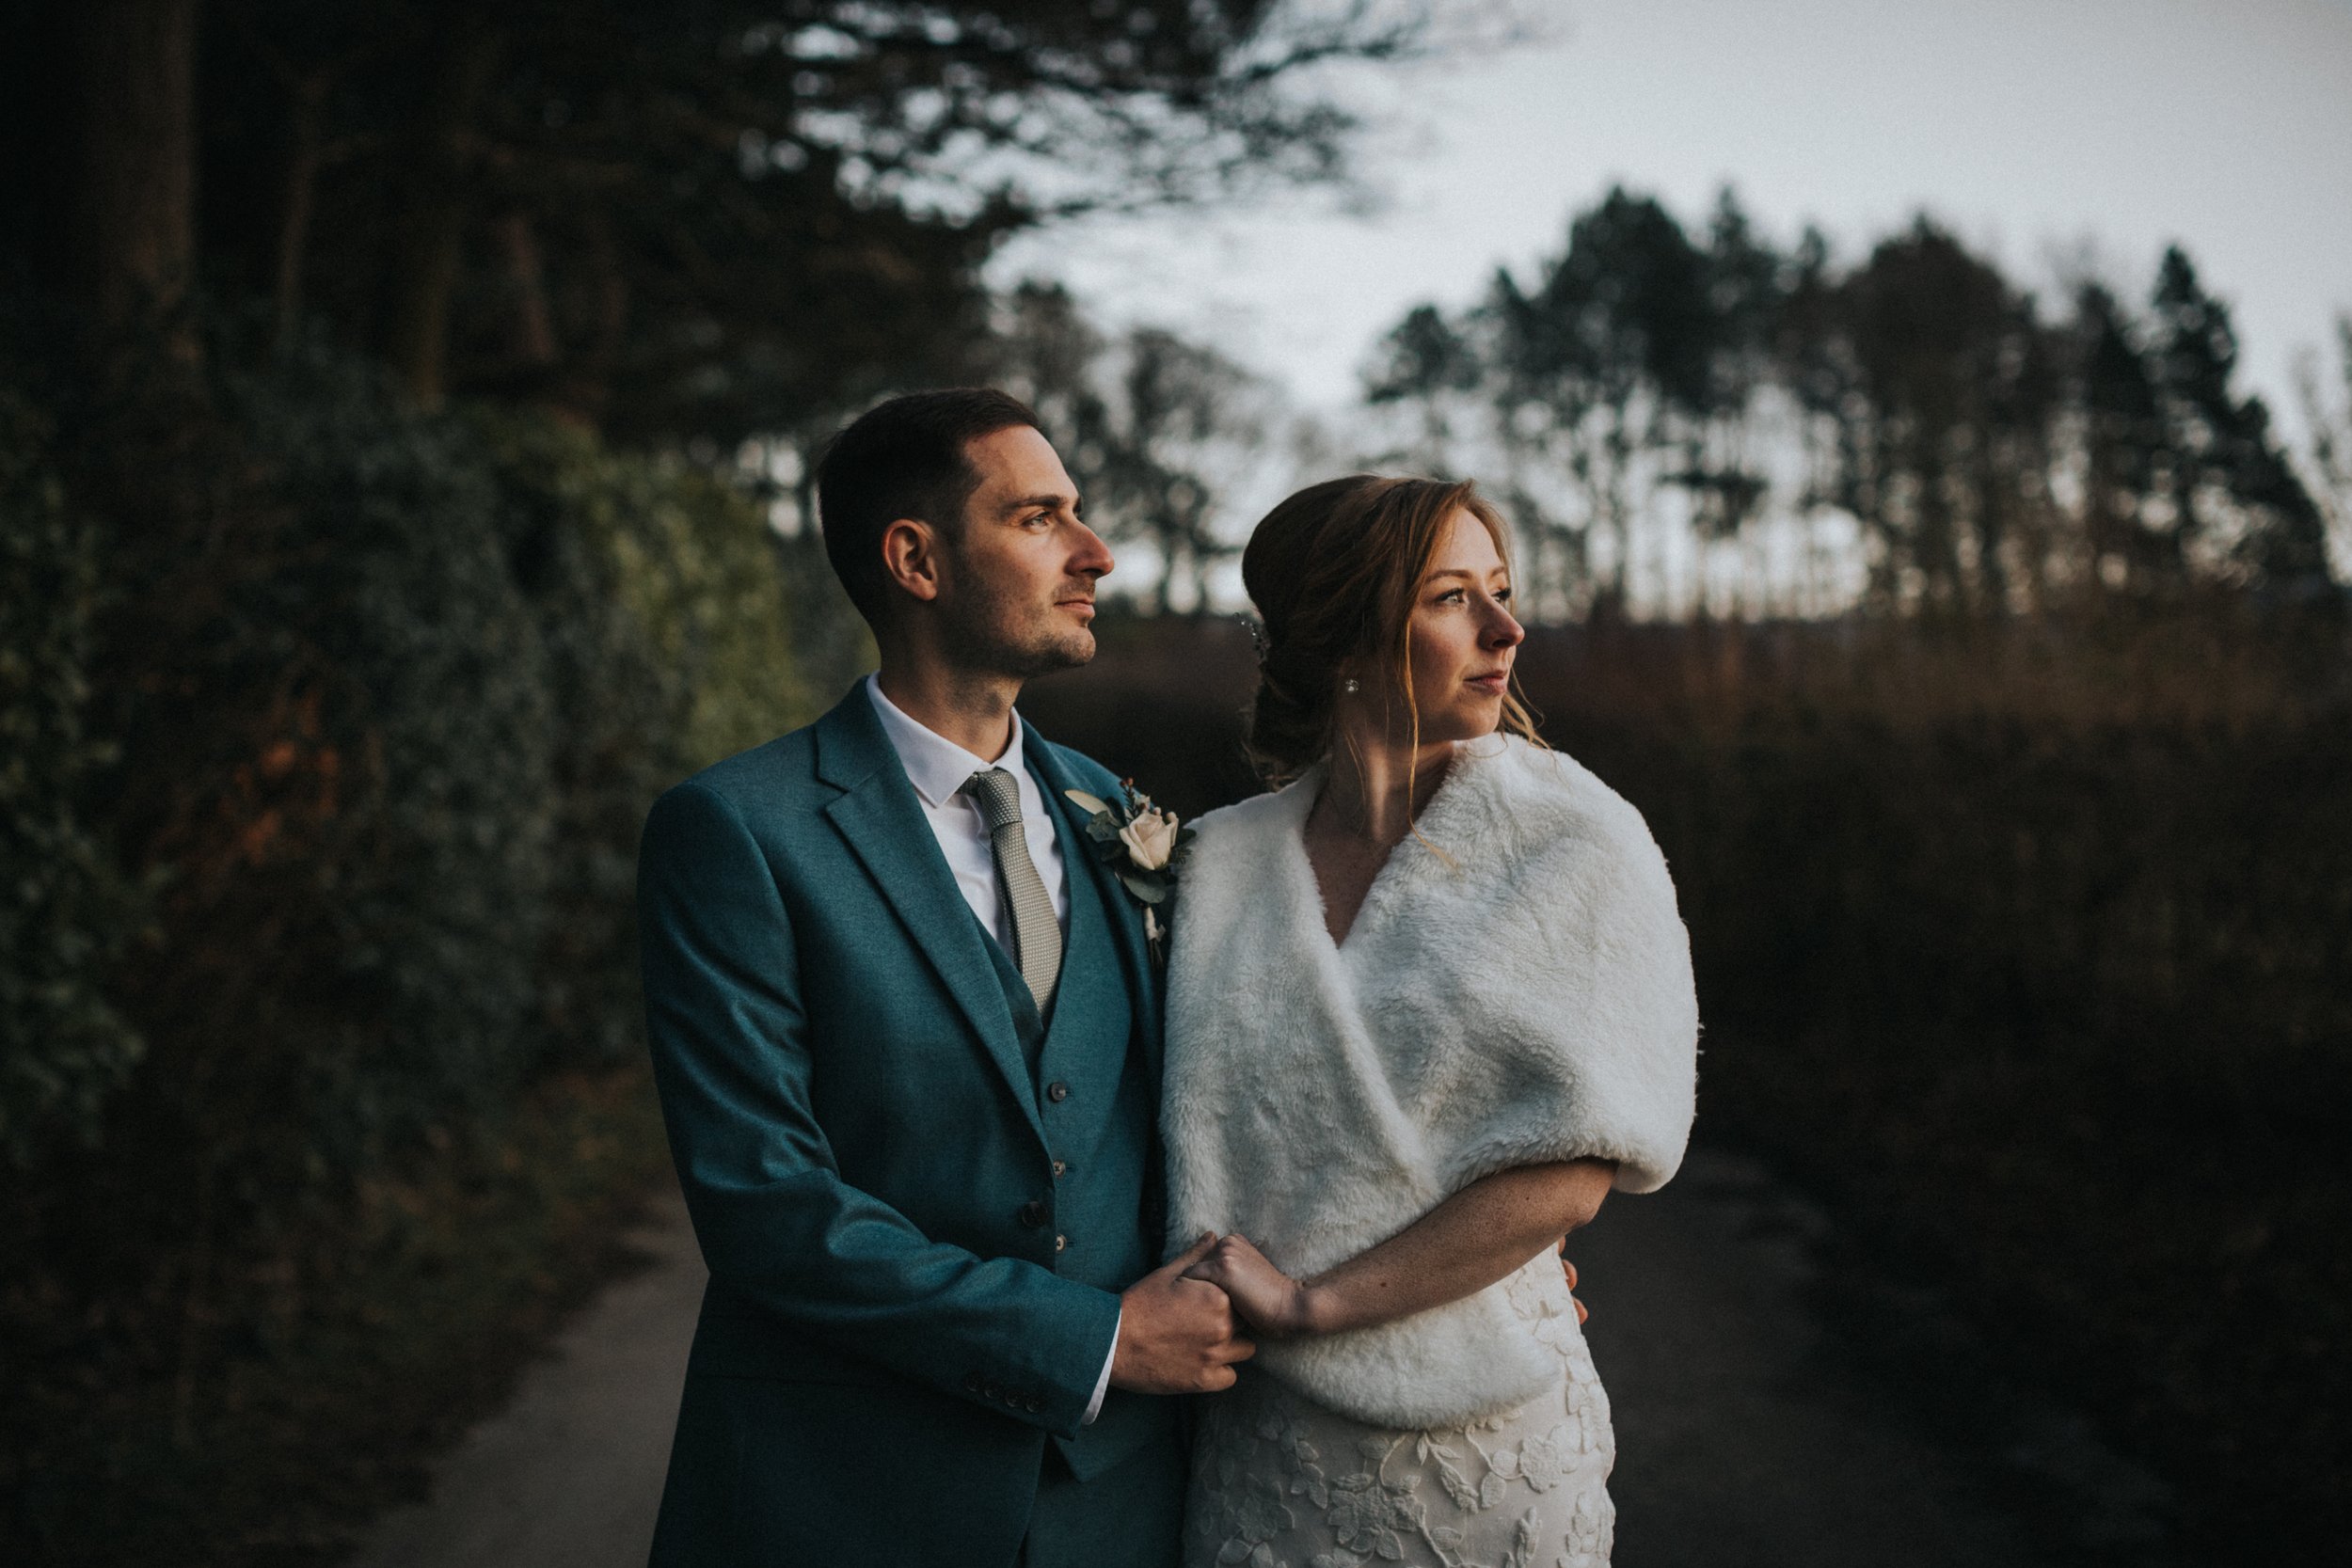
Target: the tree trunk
(305, 158)
(588, 383)
(533, 325)
(133, 202)
(433, 229)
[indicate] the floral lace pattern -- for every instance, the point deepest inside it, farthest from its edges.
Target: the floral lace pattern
(1278, 1481)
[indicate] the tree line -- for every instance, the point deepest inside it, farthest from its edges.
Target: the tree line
(1990, 457)
(1685, 421)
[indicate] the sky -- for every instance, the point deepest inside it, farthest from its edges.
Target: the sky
(2043, 132)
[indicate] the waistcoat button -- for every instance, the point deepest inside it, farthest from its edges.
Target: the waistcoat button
(1032, 1215)
(1057, 1091)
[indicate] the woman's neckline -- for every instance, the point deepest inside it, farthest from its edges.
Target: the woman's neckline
(1415, 839)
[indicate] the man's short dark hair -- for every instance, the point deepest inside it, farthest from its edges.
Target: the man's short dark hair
(902, 458)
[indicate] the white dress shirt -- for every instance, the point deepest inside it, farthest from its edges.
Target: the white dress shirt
(939, 769)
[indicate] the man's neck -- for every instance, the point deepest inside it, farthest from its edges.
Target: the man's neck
(971, 708)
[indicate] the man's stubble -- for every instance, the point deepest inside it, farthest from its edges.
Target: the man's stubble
(992, 628)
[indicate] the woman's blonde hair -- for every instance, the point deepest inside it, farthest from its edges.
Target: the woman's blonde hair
(1334, 571)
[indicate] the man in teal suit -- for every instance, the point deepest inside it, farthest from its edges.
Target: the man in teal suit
(906, 1032)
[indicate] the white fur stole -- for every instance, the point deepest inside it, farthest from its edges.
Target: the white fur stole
(1515, 989)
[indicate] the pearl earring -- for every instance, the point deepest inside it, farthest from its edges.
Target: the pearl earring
(1348, 685)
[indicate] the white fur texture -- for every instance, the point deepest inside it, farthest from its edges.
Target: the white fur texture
(1516, 989)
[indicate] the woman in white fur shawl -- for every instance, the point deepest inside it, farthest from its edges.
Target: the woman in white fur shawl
(1427, 1003)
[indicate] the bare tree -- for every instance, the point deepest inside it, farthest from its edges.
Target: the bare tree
(1159, 432)
(2329, 420)
(1642, 390)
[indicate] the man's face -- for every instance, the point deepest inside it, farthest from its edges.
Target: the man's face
(1017, 583)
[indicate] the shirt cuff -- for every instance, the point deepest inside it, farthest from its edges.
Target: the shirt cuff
(1103, 1383)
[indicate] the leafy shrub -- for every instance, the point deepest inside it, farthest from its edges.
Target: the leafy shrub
(669, 643)
(383, 698)
(65, 908)
(392, 709)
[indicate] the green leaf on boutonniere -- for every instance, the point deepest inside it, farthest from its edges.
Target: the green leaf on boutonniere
(1144, 888)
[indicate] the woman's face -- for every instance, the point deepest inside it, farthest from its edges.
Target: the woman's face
(1464, 637)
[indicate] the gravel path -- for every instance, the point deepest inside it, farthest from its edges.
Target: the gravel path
(1749, 1435)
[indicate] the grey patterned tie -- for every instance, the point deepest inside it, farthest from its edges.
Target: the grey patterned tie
(1036, 934)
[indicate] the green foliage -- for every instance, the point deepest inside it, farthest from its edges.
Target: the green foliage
(662, 615)
(397, 633)
(417, 711)
(65, 908)
(340, 722)
(697, 568)
(385, 696)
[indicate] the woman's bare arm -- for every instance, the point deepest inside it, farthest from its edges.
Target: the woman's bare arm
(1474, 1237)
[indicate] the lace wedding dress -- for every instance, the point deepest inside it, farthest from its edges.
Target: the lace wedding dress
(1278, 1481)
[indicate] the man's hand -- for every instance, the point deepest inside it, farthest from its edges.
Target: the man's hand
(1569, 1269)
(1176, 1335)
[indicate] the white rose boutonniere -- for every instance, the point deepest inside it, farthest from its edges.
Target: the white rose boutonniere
(1142, 844)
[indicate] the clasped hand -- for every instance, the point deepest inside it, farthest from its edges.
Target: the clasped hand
(1177, 1333)
(1268, 1299)
(1179, 1324)
(1273, 1304)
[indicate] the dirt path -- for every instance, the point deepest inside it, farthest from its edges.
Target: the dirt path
(569, 1474)
(1749, 1435)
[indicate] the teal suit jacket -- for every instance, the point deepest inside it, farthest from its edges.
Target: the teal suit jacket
(891, 1339)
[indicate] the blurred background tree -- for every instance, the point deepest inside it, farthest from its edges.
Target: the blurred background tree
(1648, 397)
(672, 220)
(2329, 417)
(1159, 433)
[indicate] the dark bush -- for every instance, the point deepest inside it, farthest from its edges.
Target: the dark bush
(371, 703)
(2029, 947)
(65, 908)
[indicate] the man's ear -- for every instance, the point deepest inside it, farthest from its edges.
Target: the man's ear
(910, 556)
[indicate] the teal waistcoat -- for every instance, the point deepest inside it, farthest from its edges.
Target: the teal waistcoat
(1098, 1101)
(1105, 1207)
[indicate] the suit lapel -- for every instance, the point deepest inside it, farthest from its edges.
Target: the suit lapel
(1126, 920)
(879, 816)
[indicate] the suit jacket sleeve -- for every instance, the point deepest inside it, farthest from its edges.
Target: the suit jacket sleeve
(774, 1218)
